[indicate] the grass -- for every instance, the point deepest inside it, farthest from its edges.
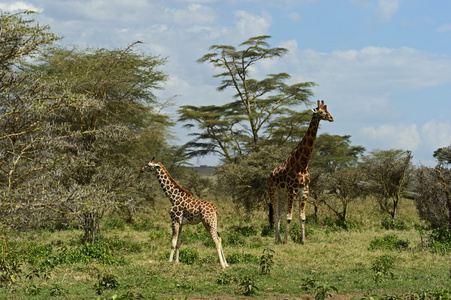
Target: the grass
(138, 266)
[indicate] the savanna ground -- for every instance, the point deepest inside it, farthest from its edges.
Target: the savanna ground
(129, 261)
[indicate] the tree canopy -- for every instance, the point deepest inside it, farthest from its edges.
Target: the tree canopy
(262, 111)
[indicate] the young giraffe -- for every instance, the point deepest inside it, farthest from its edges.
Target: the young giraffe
(293, 173)
(186, 210)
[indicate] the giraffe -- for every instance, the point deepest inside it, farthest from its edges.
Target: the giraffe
(186, 210)
(293, 173)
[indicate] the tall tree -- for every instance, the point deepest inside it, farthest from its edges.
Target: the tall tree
(118, 87)
(69, 120)
(263, 110)
(25, 108)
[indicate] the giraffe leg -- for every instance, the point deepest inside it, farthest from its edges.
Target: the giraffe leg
(175, 233)
(290, 204)
(179, 241)
(278, 217)
(274, 199)
(212, 228)
(302, 204)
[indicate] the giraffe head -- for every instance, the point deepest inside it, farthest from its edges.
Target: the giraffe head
(322, 113)
(151, 165)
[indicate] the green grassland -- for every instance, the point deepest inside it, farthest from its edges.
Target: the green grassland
(129, 261)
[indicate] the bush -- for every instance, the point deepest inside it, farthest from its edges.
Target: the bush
(388, 242)
(246, 230)
(382, 267)
(235, 258)
(296, 233)
(392, 224)
(188, 256)
(106, 282)
(440, 240)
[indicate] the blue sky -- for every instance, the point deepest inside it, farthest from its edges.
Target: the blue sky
(383, 67)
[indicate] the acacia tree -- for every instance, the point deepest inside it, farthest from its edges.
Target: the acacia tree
(262, 111)
(388, 172)
(118, 84)
(70, 121)
(25, 110)
(344, 183)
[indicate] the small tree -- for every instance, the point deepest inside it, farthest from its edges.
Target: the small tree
(388, 172)
(345, 184)
(433, 197)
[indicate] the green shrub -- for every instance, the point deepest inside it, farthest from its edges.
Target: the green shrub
(114, 224)
(87, 253)
(188, 256)
(266, 261)
(382, 267)
(296, 233)
(235, 258)
(389, 223)
(338, 225)
(143, 225)
(106, 282)
(225, 279)
(388, 242)
(245, 230)
(322, 289)
(234, 238)
(440, 240)
(248, 285)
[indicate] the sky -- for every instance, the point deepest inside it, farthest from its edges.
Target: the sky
(383, 67)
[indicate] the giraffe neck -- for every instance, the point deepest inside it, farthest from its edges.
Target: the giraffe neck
(302, 153)
(170, 187)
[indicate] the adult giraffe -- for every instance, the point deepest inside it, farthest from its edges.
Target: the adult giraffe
(293, 173)
(186, 210)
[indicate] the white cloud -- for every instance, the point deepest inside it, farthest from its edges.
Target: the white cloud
(444, 28)
(436, 134)
(393, 136)
(19, 6)
(252, 25)
(387, 8)
(383, 9)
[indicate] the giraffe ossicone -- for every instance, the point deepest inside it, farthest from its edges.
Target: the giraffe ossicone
(186, 210)
(293, 174)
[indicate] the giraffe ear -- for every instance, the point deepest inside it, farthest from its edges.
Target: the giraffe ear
(314, 110)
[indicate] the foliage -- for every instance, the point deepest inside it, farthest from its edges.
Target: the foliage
(266, 261)
(322, 290)
(388, 242)
(338, 224)
(432, 196)
(382, 267)
(263, 109)
(440, 240)
(106, 282)
(57, 290)
(389, 176)
(225, 278)
(345, 184)
(237, 258)
(249, 286)
(245, 178)
(9, 269)
(335, 152)
(296, 233)
(390, 224)
(70, 121)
